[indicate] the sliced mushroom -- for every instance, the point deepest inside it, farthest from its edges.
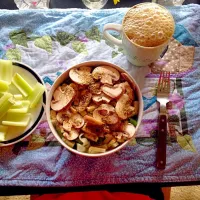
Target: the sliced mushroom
(58, 93)
(81, 75)
(129, 130)
(106, 74)
(112, 118)
(113, 92)
(67, 113)
(67, 126)
(106, 113)
(128, 79)
(104, 109)
(123, 107)
(101, 98)
(63, 87)
(85, 98)
(127, 90)
(92, 120)
(76, 89)
(77, 120)
(61, 116)
(95, 88)
(72, 135)
(62, 99)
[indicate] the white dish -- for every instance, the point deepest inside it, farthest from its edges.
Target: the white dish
(16, 134)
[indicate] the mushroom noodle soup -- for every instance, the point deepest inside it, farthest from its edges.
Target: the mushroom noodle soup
(95, 109)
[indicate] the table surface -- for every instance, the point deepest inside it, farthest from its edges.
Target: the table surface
(9, 4)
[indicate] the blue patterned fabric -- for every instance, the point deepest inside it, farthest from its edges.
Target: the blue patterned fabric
(31, 36)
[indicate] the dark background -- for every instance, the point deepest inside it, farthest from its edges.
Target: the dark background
(9, 4)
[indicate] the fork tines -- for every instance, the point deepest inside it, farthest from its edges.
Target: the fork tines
(164, 81)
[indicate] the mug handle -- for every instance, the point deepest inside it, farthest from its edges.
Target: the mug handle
(109, 37)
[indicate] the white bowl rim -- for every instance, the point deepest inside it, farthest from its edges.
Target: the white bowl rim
(42, 111)
(55, 85)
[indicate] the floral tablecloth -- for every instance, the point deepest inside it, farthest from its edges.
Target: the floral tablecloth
(50, 41)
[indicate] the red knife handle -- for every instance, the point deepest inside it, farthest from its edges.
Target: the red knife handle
(161, 145)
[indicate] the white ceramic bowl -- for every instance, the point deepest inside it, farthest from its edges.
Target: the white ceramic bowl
(17, 134)
(62, 78)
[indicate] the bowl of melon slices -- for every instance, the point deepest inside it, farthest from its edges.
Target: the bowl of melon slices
(22, 100)
(94, 108)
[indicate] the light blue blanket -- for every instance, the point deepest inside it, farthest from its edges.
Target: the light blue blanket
(50, 41)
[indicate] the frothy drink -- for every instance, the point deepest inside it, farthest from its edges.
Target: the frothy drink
(148, 25)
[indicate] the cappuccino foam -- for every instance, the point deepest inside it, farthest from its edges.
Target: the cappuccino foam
(148, 25)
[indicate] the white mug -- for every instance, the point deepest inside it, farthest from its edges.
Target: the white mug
(136, 54)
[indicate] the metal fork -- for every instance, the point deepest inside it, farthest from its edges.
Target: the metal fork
(163, 92)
